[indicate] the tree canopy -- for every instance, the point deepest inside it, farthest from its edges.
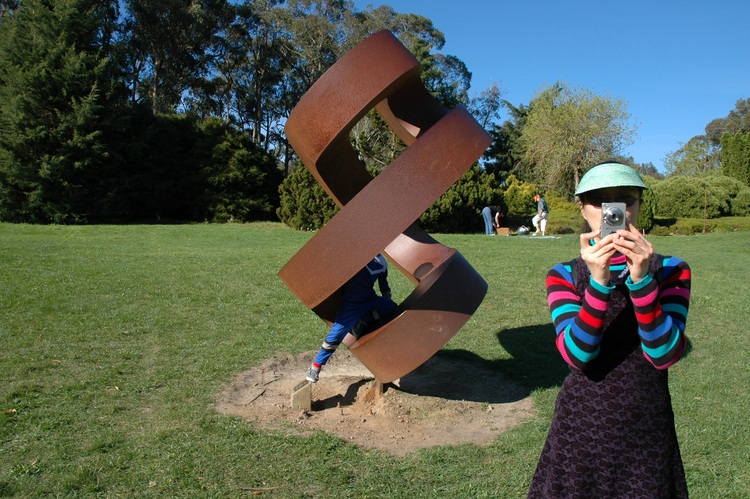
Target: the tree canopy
(569, 130)
(133, 110)
(109, 109)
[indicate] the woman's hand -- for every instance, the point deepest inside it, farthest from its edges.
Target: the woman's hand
(597, 256)
(636, 248)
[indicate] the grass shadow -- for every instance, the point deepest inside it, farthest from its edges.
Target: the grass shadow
(535, 361)
(462, 375)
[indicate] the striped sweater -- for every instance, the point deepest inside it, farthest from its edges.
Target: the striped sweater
(660, 301)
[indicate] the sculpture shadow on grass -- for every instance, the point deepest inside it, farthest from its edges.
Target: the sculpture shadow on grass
(463, 375)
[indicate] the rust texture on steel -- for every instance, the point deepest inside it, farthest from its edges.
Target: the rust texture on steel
(379, 214)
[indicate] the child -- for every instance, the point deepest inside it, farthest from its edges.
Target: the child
(359, 305)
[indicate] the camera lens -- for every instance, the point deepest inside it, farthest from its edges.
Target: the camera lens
(614, 216)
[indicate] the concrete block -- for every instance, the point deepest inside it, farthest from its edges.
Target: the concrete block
(302, 396)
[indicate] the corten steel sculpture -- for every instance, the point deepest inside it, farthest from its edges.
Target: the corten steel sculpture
(379, 214)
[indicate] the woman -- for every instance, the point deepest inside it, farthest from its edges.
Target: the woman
(619, 312)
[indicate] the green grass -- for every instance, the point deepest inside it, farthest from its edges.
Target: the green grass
(116, 339)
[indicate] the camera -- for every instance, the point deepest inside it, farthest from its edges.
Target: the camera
(613, 218)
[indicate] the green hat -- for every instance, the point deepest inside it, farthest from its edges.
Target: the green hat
(609, 175)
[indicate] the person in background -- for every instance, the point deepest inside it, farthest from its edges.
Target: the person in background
(619, 312)
(540, 219)
(492, 216)
(359, 305)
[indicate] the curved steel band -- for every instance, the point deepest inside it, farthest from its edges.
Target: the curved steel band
(378, 215)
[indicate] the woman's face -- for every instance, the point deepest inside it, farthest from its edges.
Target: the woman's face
(591, 204)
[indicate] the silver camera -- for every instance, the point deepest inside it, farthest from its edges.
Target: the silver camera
(613, 218)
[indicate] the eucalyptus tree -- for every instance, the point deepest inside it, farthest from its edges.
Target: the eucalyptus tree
(737, 121)
(695, 157)
(322, 31)
(171, 44)
(273, 51)
(568, 130)
(315, 38)
(246, 73)
(445, 76)
(486, 107)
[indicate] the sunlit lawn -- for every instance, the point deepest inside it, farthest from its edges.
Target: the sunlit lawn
(116, 339)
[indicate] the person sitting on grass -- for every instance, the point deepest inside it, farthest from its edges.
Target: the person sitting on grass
(542, 212)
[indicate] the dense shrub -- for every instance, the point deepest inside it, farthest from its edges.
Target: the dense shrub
(741, 203)
(567, 221)
(731, 224)
(459, 210)
(709, 196)
(687, 196)
(558, 202)
(153, 181)
(304, 204)
(519, 196)
(241, 182)
(689, 226)
(159, 167)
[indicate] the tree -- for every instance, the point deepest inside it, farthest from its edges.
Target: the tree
(735, 156)
(109, 117)
(322, 31)
(648, 205)
(506, 152)
(645, 168)
(245, 85)
(304, 203)
(520, 196)
(696, 157)
(737, 121)
(568, 131)
(55, 89)
(486, 107)
(171, 43)
(311, 37)
(313, 33)
(241, 182)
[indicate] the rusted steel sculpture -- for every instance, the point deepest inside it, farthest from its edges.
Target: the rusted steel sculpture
(379, 214)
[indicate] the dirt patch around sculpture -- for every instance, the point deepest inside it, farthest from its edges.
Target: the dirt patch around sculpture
(446, 401)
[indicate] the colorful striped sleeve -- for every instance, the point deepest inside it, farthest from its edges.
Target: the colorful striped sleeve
(578, 323)
(661, 303)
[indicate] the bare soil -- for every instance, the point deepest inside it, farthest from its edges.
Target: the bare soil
(443, 402)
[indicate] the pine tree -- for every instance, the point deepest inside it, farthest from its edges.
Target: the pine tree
(53, 81)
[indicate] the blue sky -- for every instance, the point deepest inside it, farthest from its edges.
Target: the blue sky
(677, 64)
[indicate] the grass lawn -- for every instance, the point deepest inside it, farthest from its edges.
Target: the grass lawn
(116, 340)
